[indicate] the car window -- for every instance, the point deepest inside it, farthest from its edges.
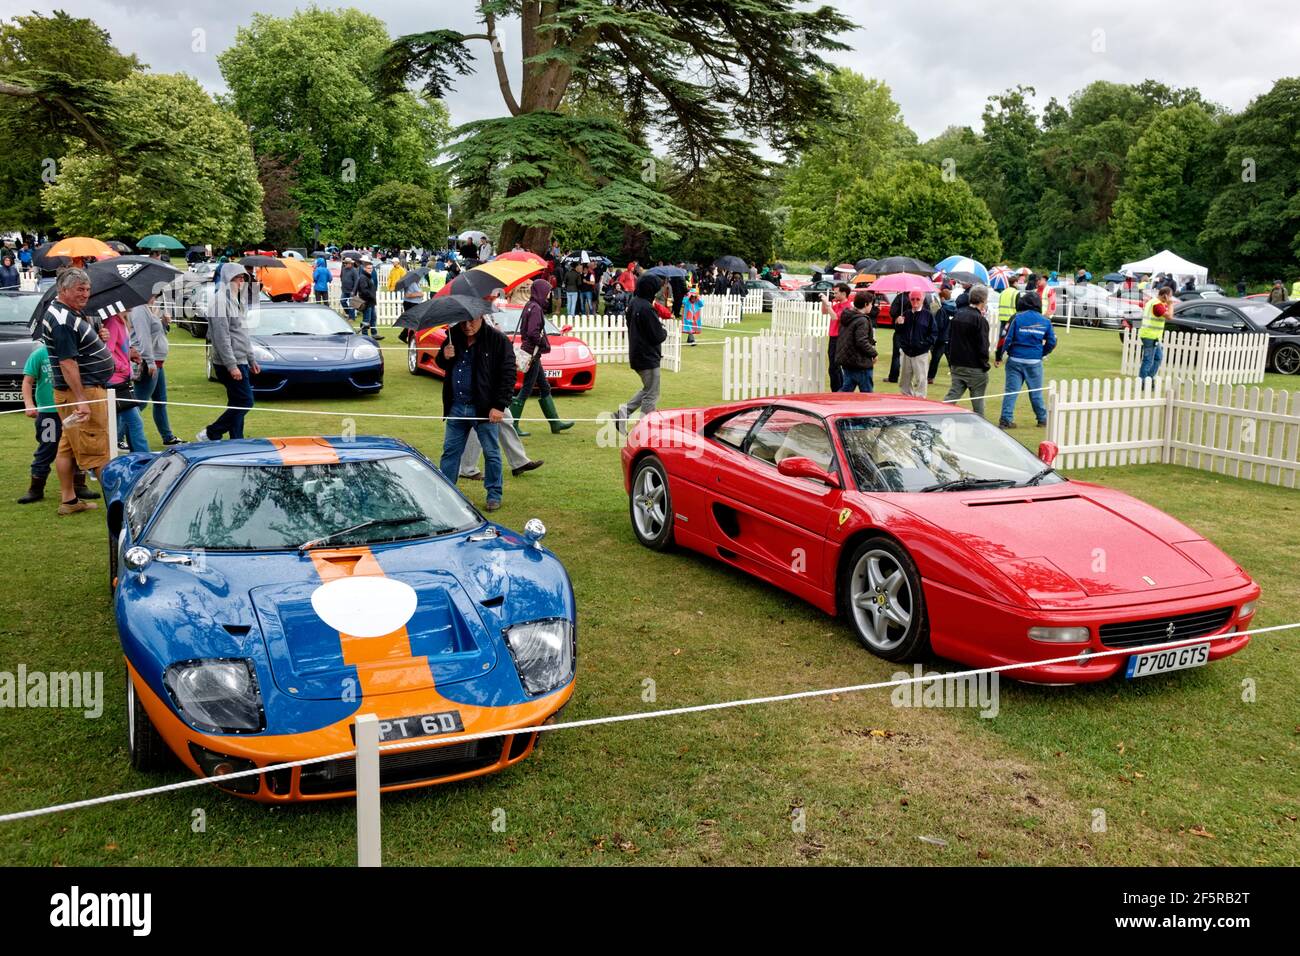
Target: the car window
(733, 431)
(150, 489)
(1220, 317)
(790, 434)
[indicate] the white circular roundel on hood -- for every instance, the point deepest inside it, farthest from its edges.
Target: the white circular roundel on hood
(364, 606)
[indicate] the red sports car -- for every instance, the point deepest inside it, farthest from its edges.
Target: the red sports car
(570, 364)
(933, 531)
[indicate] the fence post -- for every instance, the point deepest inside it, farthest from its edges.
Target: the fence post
(1166, 440)
(368, 831)
(1051, 408)
(111, 401)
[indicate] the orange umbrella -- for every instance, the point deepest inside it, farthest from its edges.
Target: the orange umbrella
(80, 247)
(521, 255)
(290, 280)
(862, 277)
(509, 272)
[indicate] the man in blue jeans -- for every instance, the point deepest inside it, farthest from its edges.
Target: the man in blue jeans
(479, 381)
(1029, 337)
(232, 353)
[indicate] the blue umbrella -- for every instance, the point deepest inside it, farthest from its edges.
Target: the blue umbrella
(963, 264)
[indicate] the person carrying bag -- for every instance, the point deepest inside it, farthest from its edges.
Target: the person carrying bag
(533, 344)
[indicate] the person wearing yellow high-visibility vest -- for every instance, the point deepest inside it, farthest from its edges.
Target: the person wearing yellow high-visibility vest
(1153, 327)
(1007, 307)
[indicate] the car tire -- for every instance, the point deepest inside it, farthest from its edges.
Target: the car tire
(650, 505)
(145, 746)
(1286, 360)
(413, 357)
(880, 595)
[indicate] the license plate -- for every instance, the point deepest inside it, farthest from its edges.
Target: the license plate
(419, 725)
(11, 396)
(554, 372)
(1162, 662)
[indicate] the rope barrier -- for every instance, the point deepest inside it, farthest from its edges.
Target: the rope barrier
(637, 716)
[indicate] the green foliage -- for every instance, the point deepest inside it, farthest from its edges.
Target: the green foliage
(64, 63)
(399, 215)
(303, 85)
(1253, 223)
(910, 209)
(866, 130)
(1001, 170)
(745, 204)
(203, 187)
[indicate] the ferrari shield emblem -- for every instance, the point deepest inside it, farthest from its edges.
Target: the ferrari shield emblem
(844, 515)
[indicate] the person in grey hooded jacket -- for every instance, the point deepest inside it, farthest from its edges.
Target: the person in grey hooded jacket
(232, 353)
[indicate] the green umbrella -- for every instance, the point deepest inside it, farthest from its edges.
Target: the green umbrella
(159, 241)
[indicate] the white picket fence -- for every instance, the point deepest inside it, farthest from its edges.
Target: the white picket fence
(27, 281)
(1207, 357)
(606, 336)
(793, 317)
(388, 305)
(767, 364)
(721, 310)
(753, 301)
(1249, 433)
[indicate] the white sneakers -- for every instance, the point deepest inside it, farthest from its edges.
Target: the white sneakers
(202, 435)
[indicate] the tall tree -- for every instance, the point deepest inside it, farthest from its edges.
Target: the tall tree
(1001, 174)
(867, 129)
(1253, 223)
(700, 75)
(53, 93)
(399, 215)
(912, 209)
(302, 84)
(203, 188)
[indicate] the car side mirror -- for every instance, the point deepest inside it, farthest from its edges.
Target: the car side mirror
(807, 468)
(565, 330)
(1047, 452)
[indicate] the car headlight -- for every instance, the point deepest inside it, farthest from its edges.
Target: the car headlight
(1247, 610)
(543, 654)
(262, 354)
(364, 351)
(584, 353)
(217, 696)
(1059, 635)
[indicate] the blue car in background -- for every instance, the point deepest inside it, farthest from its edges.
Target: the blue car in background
(268, 591)
(305, 344)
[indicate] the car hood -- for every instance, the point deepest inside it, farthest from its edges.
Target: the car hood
(310, 349)
(1067, 542)
(442, 643)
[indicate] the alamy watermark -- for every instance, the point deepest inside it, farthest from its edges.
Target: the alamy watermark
(73, 690)
(937, 690)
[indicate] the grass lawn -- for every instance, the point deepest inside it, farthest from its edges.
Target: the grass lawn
(1184, 770)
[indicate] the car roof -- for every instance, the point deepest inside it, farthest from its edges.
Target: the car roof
(293, 450)
(854, 405)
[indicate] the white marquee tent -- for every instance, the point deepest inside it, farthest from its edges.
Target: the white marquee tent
(1170, 264)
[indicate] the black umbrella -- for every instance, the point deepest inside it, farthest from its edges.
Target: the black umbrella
(668, 272)
(867, 265)
(118, 246)
(475, 282)
(731, 264)
(778, 267)
(443, 310)
(352, 254)
(46, 262)
(117, 285)
(966, 277)
(895, 264)
(264, 262)
(411, 278)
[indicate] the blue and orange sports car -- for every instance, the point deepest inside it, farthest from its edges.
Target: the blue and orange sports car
(268, 591)
(306, 344)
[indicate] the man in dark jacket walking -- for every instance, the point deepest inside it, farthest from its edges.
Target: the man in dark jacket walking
(533, 341)
(855, 346)
(968, 350)
(914, 330)
(479, 365)
(645, 336)
(368, 293)
(942, 320)
(348, 273)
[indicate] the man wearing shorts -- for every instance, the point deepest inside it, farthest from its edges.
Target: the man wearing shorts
(80, 366)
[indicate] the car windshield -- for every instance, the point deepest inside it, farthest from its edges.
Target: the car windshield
(1261, 313)
(15, 309)
(507, 320)
(296, 321)
(222, 507)
(919, 452)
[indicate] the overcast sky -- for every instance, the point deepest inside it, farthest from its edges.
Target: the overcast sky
(941, 58)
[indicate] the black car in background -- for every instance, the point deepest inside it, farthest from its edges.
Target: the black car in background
(1244, 316)
(15, 343)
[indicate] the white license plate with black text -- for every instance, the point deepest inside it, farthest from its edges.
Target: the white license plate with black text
(419, 725)
(1162, 662)
(11, 396)
(554, 373)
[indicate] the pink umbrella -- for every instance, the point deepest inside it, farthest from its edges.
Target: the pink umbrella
(902, 282)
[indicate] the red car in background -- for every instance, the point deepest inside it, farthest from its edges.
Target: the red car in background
(570, 364)
(932, 531)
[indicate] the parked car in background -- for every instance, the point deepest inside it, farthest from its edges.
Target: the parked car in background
(1243, 316)
(814, 291)
(771, 292)
(1210, 291)
(1092, 305)
(307, 344)
(15, 343)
